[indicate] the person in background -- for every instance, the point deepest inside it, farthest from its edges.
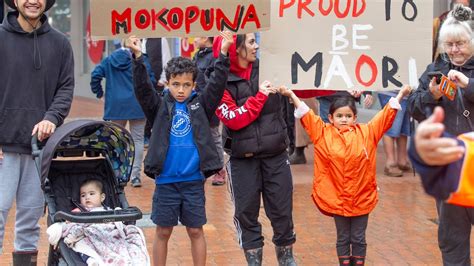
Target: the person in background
(121, 105)
(204, 60)
(444, 162)
(396, 138)
(457, 63)
(37, 74)
(438, 21)
(301, 138)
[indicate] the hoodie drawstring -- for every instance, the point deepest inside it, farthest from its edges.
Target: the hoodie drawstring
(36, 50)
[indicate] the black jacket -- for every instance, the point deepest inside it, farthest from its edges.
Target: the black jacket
(37, 80)
(204, 60)
(159, 108)
(421, 103)
(266, 136)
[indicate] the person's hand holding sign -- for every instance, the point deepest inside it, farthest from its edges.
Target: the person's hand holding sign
(227, 41)
(135, 45)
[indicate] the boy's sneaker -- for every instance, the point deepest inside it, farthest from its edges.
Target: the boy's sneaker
(136, 182)
(219, 178)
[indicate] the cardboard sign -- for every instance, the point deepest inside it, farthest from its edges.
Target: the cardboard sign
(112, 19)
(347, 44)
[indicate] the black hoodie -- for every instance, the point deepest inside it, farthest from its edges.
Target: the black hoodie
(36, 80)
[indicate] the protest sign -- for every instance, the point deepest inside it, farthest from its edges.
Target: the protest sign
(112, 19)
(347, 44)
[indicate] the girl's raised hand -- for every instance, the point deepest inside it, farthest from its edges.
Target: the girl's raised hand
(406, 90)
(285, 91)
(227, 41)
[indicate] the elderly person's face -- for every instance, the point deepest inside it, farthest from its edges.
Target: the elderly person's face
(459, 49)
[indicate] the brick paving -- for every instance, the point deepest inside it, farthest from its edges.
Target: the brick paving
(401, 230)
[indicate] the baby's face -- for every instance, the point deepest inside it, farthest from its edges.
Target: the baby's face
(91, 196)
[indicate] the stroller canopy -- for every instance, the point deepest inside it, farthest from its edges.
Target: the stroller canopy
(112, 140)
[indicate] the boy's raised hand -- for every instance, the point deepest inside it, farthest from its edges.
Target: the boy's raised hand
(227, 41)
(135, 45)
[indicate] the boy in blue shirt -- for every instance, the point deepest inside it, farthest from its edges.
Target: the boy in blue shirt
(182, 152)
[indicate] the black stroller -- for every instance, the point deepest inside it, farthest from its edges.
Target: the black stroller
(77, 151)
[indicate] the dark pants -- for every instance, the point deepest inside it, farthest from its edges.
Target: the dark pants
(351, 232)
(148, 127)
(269, 178)
(454, 233)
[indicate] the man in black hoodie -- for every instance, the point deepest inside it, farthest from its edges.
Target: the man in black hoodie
(37, 74)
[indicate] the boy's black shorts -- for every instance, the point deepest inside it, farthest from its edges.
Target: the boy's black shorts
(183, 201)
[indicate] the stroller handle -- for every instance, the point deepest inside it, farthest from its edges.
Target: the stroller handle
(35, 151)
(119, 215)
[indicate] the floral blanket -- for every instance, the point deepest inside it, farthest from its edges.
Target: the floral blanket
(105, 244)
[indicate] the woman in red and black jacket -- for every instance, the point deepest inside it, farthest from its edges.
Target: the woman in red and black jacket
(255, 135)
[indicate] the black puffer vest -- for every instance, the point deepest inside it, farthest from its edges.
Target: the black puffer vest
(267, 135)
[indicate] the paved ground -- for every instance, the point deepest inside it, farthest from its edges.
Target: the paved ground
(401, 230)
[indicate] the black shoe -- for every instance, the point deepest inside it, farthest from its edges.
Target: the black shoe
(136, 182)
(254, 257)
(25, 258)
(285, 256)
(291, 150)
(298, 156)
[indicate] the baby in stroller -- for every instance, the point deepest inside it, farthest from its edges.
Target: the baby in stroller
(92, 196)
(86, 165)
(100, 243)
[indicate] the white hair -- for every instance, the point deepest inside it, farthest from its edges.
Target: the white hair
(454, 27)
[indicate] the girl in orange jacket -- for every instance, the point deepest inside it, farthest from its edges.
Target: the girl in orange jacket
(344, 183)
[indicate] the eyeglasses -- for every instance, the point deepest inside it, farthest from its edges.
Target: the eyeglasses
(458, 44)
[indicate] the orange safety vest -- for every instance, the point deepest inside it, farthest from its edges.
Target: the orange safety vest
(464, 195)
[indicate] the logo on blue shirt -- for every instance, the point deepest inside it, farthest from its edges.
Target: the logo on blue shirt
(181, 125)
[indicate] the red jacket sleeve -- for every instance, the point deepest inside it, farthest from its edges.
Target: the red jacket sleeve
(237, 117)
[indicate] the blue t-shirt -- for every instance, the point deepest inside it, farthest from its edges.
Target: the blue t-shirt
(182, 159)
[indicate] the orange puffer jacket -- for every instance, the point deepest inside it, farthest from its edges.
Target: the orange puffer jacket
(344, 163)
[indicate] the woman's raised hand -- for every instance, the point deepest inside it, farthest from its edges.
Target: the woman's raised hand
(227, 41)
(267, 88)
